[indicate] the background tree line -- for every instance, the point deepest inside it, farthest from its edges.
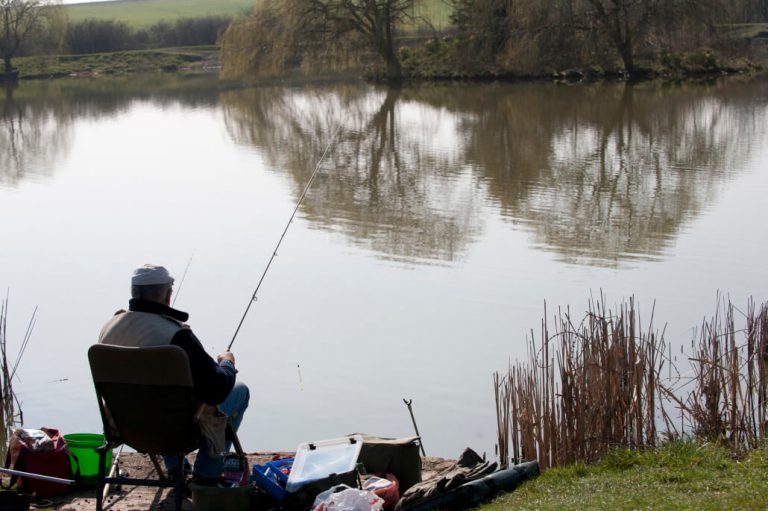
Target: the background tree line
(97, 36)
(753, 11)
(386, 37)
(40, 27)
(490, 37)
(557, 34)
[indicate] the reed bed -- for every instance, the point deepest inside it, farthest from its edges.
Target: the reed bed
(10, 410)
(587, 388)
(595, 385)
(724, 400)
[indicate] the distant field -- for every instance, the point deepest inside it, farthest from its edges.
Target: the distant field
(143, 13)
(437, 12)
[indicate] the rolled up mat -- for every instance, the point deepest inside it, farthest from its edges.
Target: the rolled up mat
(482, 490)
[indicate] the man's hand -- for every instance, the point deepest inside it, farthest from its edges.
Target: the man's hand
(226, 356)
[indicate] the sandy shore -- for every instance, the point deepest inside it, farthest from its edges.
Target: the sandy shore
(147, 498)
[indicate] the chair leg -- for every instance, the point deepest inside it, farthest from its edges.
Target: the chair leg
(179, 483)
(101, 475)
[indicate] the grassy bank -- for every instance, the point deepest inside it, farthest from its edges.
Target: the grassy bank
(610, 380)
(682, 475)
(193, 59)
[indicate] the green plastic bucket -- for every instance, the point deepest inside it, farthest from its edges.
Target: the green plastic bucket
(83, 454)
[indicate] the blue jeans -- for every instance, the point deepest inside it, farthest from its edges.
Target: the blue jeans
(234, 407)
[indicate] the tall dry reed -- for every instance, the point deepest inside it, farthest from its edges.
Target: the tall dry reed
(725, 398)
(584, 389)
(10, 410)
(596, 384)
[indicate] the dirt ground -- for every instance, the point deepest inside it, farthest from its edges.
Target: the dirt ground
(148, 498)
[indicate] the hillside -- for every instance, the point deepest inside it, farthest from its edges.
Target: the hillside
(143, 13)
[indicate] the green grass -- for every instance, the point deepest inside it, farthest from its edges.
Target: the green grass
(683, 475)
(118, 63)
(144, 13)
(749, 30)
(438, 12)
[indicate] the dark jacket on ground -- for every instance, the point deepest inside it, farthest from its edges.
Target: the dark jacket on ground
(148, 323)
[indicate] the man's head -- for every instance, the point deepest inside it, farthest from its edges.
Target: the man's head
(152, 282)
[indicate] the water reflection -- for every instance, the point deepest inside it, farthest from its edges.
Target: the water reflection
(598, 174)
(31, 137)
(37, 118)
(389, 184)
(607, 173)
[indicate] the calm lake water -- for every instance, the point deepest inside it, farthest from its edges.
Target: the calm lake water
(441, 220)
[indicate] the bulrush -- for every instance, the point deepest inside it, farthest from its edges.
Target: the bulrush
(596, 384)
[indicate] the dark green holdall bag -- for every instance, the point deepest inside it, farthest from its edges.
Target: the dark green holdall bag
(398, 456)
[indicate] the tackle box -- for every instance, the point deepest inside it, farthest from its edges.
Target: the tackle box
(318, 460)
(272, 477)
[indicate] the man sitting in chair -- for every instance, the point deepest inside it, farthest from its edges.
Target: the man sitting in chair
(150, 321)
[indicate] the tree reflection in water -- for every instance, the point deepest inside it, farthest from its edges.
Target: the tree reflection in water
(598, 174)
(637, 166)
(31, 137)
(37, 117)
(385, 185)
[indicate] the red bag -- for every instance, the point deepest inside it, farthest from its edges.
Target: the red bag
(44, 458)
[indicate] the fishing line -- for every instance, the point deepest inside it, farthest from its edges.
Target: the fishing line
(25, 341)
(181, 282)
(287, 225)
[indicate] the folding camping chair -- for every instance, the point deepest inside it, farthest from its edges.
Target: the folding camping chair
(147, 402)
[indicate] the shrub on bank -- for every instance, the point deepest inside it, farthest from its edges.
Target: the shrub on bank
(450, 57)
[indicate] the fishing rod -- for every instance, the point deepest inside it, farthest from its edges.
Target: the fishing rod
(181, 282)
(287, 225)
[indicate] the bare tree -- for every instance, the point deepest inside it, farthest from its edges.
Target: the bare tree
(374, 20)
(19, 20)
(316, 34)
(624, 22)
(627, 25)
(540, 36)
